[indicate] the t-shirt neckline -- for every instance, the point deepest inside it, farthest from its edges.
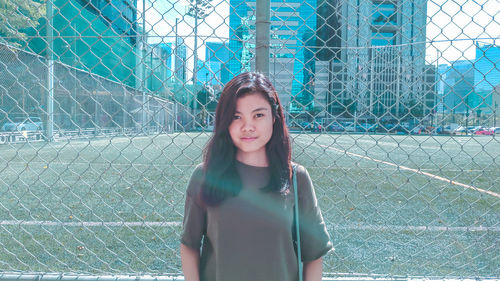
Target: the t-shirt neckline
(250, 166)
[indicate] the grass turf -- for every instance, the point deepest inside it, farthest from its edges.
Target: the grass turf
(373, 209)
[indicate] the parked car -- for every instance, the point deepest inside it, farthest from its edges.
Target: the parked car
(417, 130)
(460, 131)
(23, 124)
(472, 129)
(420, 129)
(446, 130)
(385, 127)
(335, 127)
(392, 129)
(367, 127)
(483, 131)
(349, 127)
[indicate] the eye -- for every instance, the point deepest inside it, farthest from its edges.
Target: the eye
(258, 115)
(235, 117)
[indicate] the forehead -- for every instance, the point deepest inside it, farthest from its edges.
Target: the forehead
(252, 101)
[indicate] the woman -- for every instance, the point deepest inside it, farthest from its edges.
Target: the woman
(239, 203)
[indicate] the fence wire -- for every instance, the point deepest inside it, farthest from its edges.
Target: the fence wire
(392, 107)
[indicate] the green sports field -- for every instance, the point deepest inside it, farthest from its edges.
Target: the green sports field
(395, 205)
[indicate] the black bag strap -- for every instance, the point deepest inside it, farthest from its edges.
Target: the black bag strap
(297, 228)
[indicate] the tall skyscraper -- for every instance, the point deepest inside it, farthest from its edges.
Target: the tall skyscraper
(121, 15)
(486, 75)
(377, 55)
(95, 36)
(180, 60)
(217, 55)
(456, 86)
(292, 29)
(166, 57)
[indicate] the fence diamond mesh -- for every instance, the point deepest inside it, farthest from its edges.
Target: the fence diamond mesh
(105, 107)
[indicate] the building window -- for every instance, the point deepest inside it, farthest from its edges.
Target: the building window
(383, 38)
(384, 14)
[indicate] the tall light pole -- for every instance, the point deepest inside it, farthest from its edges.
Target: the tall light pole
(50, 70)
(467, 116)
(145, 106)
(198, 9)
(495, 115)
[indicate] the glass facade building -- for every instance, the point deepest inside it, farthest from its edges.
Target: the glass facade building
(108, 49)
(486, 75)
(378, 64)
(217, 57)
(456, 87)
(293, 25)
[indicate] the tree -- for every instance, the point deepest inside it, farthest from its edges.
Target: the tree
(17, 16)
(416, 109)
(198, 9)
(350, 107)
(207, 103)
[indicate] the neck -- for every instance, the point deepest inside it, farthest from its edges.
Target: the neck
(253, 159)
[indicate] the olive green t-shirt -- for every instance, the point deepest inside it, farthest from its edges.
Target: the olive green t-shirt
(249, 236)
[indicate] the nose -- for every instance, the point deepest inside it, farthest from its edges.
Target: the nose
(248, 126)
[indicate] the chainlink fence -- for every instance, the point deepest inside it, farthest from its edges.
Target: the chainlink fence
(105, 107)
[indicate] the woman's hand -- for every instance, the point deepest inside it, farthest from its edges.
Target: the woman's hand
(190, 259)
(313, 270)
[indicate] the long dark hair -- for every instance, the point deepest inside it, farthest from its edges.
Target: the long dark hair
(221, 180)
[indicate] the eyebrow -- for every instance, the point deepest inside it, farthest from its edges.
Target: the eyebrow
(258, 109)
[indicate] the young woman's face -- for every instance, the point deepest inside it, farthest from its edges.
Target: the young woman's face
(252, 128)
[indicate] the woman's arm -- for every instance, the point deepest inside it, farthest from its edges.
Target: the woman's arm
(313, 270)
(190, 259)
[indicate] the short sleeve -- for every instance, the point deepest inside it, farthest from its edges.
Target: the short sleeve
(314, 237)
(194, 223)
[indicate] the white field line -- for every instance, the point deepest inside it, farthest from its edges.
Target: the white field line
(89, 223)
(100, 163)
(416, 228)
(179, 223)
(413, 170)
(191, 165)
(20, 276)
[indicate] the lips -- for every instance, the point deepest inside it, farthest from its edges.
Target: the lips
(248, 139)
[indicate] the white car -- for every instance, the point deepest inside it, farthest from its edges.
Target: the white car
(460, 131)
(23, 124)
(495, 130)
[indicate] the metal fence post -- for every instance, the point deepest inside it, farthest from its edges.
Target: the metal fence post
(50, 71)
(262, 24)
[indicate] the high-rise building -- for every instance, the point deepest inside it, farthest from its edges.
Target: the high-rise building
(180, 60)
(377, 54)
(157, 71)
(209, 72)
(107, 48)
(217, 55)
(486, 76)
(291, 63)
(121, 15)
(456, 87)
(166, 57)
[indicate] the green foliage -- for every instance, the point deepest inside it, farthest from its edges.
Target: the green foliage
(350, 107)
(206, 100)
(416, 109)
(17, 16)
